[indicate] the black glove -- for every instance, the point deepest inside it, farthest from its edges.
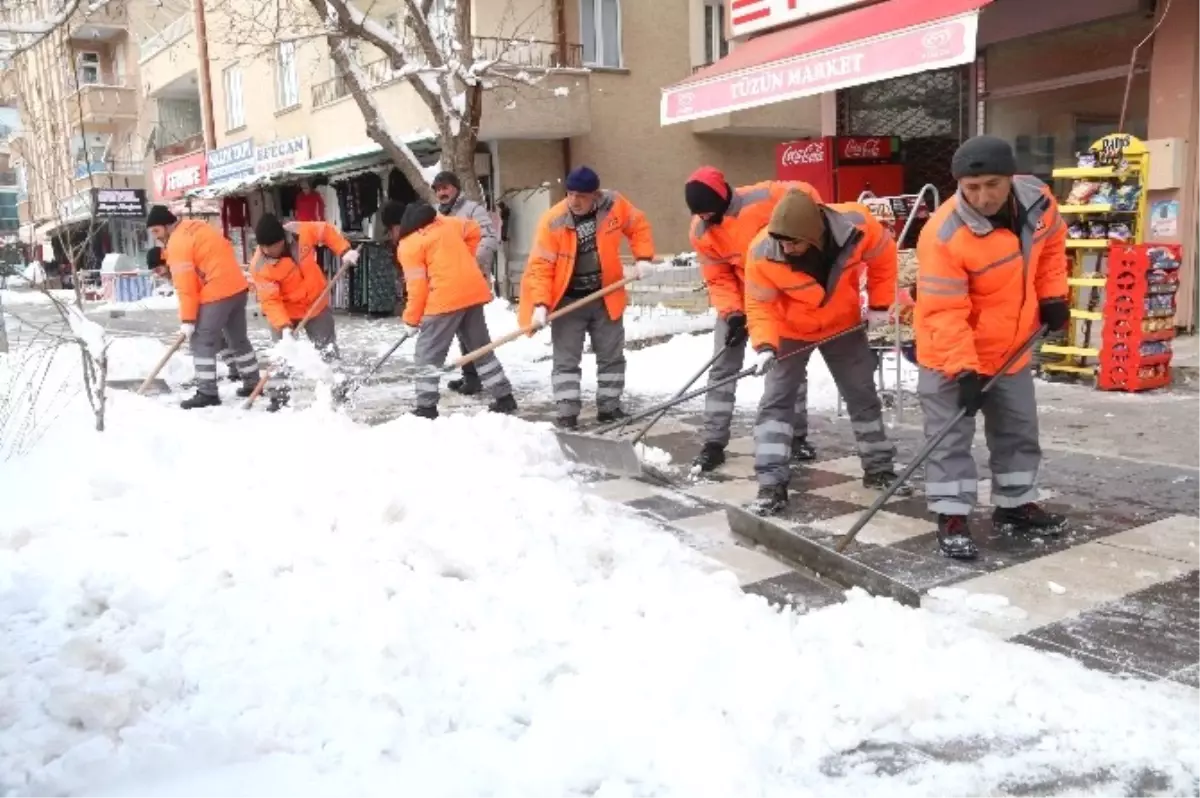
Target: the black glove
(1054, 313)
(970, 391)
(735, 329)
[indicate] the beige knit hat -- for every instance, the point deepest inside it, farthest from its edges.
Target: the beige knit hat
(798, 218)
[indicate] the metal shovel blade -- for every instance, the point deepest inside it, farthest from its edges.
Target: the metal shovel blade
(156, 386)
(612, 456)
(846, 571)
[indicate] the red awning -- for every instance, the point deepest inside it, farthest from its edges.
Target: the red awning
(880, 41)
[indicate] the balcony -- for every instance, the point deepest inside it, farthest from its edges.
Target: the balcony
(172, 33)
(169, 59)
(8, 179)
(107, 23)
(111, 168)
(176, 145)
(102, 104)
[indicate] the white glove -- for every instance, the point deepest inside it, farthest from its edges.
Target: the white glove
(186, 330)
(286, 334)
(539, 316)
(644, 268)
(411, 330)
(877, 318)
(764, 361)
(351, 257)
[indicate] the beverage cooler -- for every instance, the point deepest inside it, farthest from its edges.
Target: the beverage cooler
(841, 168)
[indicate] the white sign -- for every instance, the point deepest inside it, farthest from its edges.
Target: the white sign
(795, 155)
(77, 205)
(276, 155)
(752, 16)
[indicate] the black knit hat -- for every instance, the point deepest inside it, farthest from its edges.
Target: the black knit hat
(983, 155)
(160, 216)
(269, 230)
(417, 215)
(391, 213)
(445, 179)
(154, 258)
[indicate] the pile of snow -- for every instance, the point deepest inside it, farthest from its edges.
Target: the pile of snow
(246, 603)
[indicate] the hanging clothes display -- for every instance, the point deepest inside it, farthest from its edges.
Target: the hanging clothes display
(331, 209)
(310, 207)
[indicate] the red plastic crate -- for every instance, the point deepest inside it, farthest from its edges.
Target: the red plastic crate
(1123, 367)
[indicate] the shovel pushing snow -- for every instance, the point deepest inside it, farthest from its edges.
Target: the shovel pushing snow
(151, 384)
(831, 562)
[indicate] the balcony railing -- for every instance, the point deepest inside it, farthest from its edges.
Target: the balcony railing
(111, 167)
(513, 53)
(178, 146)
(165, 38)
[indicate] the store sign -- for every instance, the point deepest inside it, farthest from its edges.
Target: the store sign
(863, 148)
(175, 178)
(281, 154)
(752, 16)
(231, 162)
(74, 206)
(937, 45)
(119, 203)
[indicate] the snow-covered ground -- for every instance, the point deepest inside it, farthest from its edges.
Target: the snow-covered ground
(220, 602)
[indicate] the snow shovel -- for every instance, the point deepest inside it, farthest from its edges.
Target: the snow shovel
(620, 457)
(343, 392)
(636, 439)
(151, 383)
(266, 375)
(831, 562)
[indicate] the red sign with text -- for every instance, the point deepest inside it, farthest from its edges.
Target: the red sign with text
(175, 178)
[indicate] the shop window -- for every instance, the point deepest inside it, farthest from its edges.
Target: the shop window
(235, 99)
(716, 46)
(287, 79)
(600, 24)
(87, 68)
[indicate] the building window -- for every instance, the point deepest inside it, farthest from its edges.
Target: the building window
(87, 68)
(600, 21)
(287, 81)
(235, 109)
(716, 46)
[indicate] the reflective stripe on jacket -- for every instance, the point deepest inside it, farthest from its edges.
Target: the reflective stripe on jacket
(203, 267)
(721, 248)
(978, 288)
(552, 261)
(440, 272)
(783, 302)
(287, 286)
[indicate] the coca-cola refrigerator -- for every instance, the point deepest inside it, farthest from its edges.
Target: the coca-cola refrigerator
(841, 168)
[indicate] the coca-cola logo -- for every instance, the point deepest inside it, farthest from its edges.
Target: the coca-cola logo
(797, 155)
(863, 148)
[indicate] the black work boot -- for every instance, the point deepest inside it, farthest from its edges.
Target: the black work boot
(505, 404)
(1028, 519)
(609, 416)
(567, 422)
(426, 412)
(882, 480)
(954, 538)
(279, 398)
(802, 450)
(200, 400)
(711, 457)
(246, 388)
(233, 375)
(467, 385)
(771, 500)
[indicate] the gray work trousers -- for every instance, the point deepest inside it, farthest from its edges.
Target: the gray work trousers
(222, 323)
(719, 403)
(852, 364)
(321, 331)
(608, 344)
(1010, 426)
(433, 344)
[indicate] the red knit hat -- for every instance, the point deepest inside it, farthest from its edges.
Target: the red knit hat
(707, 192)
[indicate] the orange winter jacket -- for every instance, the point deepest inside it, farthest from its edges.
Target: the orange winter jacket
(203, 267)
(978, 288)
(552, 261)
(289, 285)
(721, 248)
(783, 302)
(440, 271)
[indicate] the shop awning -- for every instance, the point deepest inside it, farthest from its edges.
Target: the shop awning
(877, 42)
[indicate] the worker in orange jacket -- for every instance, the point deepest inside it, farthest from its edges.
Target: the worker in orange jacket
(726, 219)
(289, 280)
(576, 252)
(992, 265)
(446, 296)
(212, 291)
(802, 285)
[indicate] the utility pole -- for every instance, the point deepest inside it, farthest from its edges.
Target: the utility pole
(206, 103)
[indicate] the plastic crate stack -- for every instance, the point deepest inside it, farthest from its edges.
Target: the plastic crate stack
(1139, 314)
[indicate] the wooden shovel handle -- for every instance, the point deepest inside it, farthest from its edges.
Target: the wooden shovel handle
(171, 350)
(471, 357)
(266, 375)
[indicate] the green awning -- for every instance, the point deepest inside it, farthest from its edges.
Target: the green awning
(363, 158)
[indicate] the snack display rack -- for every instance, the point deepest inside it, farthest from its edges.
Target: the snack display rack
(1139, 315)
(1104, 210)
